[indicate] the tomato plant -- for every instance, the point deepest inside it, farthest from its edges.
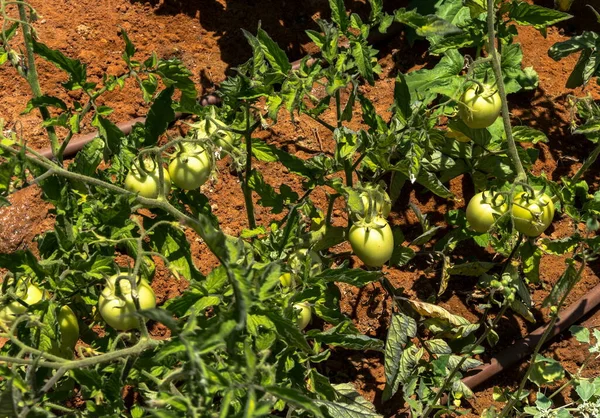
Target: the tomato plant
(228, 340)
(117, 306)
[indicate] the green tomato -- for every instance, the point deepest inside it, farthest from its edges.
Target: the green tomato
(303, 314)
(221, 138)
(146, 184)
(191, 168)
(479, 108)
(30, 294)
(299, 258)
(532, 214)
(483, 210)
(119, 311)
(286, 279)
(373, 243)
(69, 332)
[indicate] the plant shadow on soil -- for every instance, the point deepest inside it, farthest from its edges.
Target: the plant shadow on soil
(285, 22)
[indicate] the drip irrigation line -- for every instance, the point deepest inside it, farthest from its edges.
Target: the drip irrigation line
(521, 349)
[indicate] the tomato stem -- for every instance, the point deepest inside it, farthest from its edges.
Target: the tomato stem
(512, 148)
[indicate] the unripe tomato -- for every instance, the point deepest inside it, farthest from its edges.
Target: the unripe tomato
(532, 214)
(286, 279)
(69, 332)
(222, 138)
(374, 243)
(119, 311)
(30, 294)
(483, 210)
(303, 314)
(479, 108)
(146, 184)
(191, 168)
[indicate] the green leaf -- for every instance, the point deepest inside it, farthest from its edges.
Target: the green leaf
(162, 316)
(129, 47)
(174, 73)
(88, 159)
(402, 98)
(296, 398)
(338, 14)
(288, 332)
(361, 52)
(564, 284)
(402, 327)
(349, 404)
(172, 243)
(9, 400)
(337, 337)
(476, 268)
(537, 16)
(44, 101)
(581, 334)
(159, 117)
(273, 53)
(444, 78)
(527, 134)
(110, 133)
(76, 70)
(355, 277)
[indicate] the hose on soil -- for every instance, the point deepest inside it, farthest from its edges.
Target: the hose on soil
(504, 359)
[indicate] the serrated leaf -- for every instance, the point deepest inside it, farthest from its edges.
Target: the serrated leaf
(402, 327)
(537, 16)
(355, 277)
(349, 404)
(527, 134)
(295, 397)
(475, 268)
(581, 334)
(564, 284)
(75, 68)
(160, 115)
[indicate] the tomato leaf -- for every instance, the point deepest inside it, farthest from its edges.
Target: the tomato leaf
(159, 116)
(537, 16)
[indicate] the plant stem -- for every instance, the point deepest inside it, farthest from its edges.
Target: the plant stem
(245, 186)
(591, 159)
(32, 75)
(347, 163)
(512, 147)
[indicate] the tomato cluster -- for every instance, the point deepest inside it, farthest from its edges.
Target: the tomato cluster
(532, 213)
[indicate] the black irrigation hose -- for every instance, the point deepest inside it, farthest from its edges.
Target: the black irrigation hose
(499, 363)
